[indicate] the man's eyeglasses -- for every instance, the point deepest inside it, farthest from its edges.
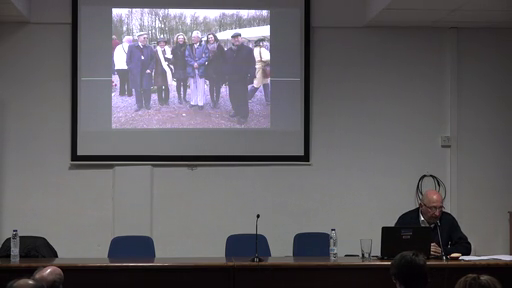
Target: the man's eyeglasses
(434, 209)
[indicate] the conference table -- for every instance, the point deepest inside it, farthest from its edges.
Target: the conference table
(239, 272)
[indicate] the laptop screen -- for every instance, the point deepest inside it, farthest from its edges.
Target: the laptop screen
(395, 240)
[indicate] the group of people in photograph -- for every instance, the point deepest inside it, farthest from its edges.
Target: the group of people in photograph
(193, 65)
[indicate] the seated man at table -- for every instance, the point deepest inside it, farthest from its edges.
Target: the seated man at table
(25, 283)
(409, 270)
(51, 276)
(445, 229)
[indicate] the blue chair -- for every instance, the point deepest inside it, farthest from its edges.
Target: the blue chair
(132, 246)
(244, 245)
(311, 244)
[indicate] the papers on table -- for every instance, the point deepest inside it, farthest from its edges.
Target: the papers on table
(492, 257)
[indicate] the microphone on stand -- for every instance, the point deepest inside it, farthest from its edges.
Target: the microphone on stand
(440, 241)
(256, 258)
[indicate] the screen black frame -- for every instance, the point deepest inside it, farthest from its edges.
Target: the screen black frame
(170, 159)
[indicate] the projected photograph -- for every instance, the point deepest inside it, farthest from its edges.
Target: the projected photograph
(190, 68)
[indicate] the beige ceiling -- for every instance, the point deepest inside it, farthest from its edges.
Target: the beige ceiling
(341, 13)
(445, 13)
(14, 10)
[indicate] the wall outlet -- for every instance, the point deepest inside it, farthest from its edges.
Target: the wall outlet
(446, 141)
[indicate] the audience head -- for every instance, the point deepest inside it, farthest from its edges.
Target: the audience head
(25, 283)
(51, 276)
(431, 206)
(114, 37)
(409, 270)
(478, 281)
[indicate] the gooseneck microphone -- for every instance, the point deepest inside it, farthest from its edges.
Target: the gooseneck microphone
(256, 258)
(440, 240)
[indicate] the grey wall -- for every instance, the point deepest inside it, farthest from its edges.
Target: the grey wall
(485, 137)
(380, 102)
(40, 196)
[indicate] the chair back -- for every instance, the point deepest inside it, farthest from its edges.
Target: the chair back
(311, 244)
(244, 245)
(132, 246)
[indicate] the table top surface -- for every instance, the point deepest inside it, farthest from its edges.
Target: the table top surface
(192, 262)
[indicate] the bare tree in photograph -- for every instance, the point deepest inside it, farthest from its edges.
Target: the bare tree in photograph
(221, 22)
(260, 18)
(166, 23)
(208, 25)
(118, 24)
(194, 23)
(154, 28)
(239, 21)
(129, 23)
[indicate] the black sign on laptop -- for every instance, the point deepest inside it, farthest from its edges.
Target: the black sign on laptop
(395, 240)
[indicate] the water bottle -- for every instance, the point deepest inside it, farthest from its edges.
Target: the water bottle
(333, 245)
(15, 246)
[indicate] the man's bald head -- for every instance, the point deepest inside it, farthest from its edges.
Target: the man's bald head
(431, 206)
(25, 283)
(50, 276)
(432, 197)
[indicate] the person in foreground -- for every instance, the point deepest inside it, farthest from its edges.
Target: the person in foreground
(430, 214)
(477, 281)
(51, 276)
(409, 270)
(25, 283)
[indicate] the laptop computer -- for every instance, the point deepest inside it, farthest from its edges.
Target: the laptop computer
(395, 240)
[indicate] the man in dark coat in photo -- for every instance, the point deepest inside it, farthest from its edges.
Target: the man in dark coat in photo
(140, 60)
(240, 70)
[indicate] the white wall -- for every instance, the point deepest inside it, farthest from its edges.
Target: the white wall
(485, 137)
(39, 195)
(380, 101)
